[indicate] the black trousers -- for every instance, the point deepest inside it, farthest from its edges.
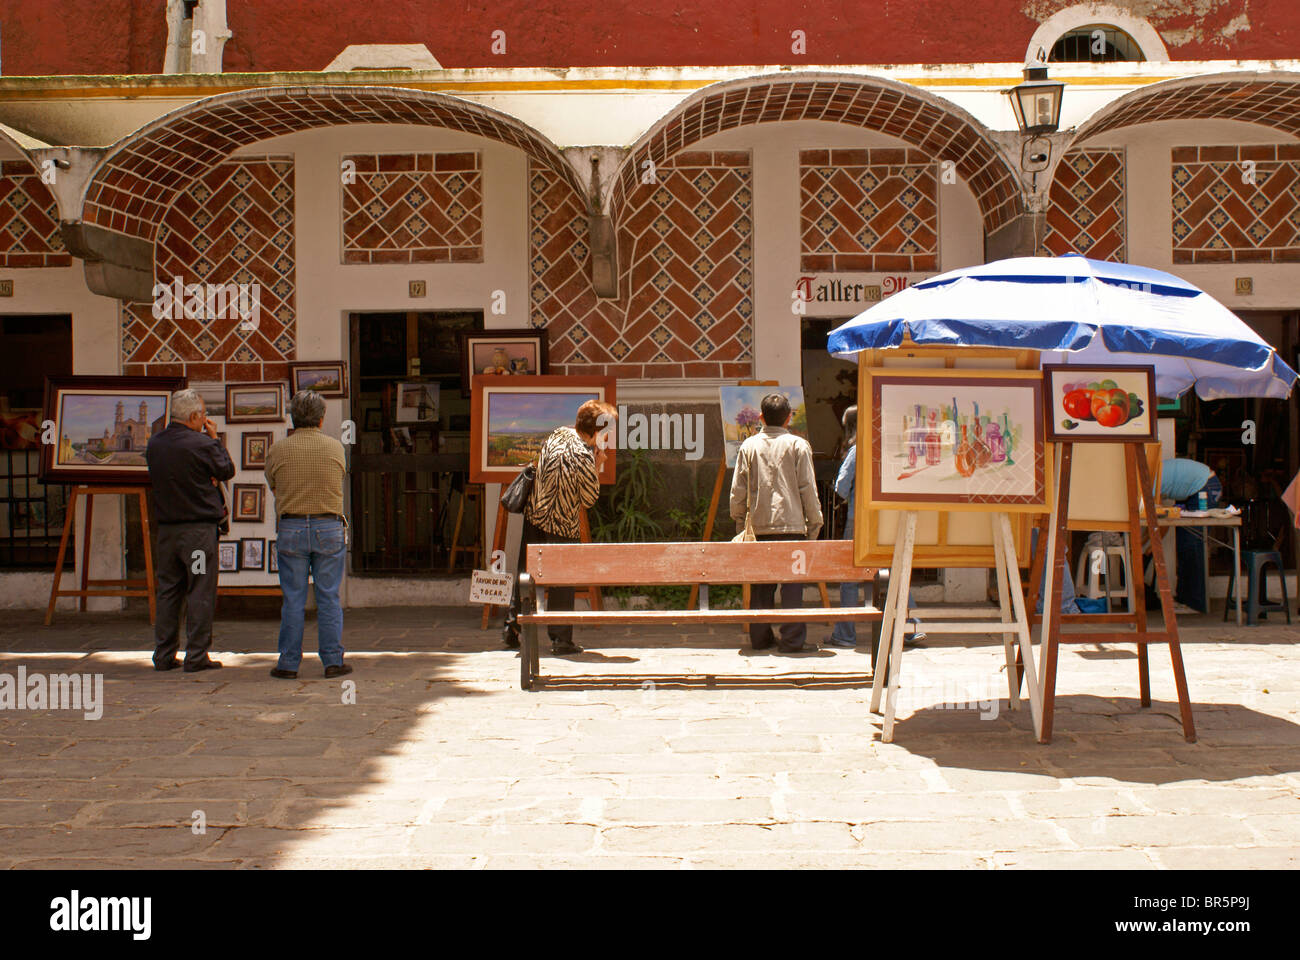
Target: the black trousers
(763, 595)
(177, 559)
(557, 598)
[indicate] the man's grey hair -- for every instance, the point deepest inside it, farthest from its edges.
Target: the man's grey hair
(186, 403)
(307, 409)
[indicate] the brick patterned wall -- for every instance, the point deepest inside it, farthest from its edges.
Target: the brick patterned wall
(1220, 217)
(414, 208)
(233, 224)
(685, 306)
(870, 210)
(29, 220)
(1087, 205)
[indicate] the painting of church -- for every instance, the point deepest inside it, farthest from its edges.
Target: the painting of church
(130, 436)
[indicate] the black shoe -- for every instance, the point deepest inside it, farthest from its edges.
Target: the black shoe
(208, 664)
(762, 646)
(171, 664)
(338, 670)
(562, 648)
(284, 674)
(804, 648)
(510, 638)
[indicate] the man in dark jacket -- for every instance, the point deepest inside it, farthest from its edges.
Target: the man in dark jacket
(185, 465)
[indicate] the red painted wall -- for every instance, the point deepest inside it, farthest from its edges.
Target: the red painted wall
(129, 36)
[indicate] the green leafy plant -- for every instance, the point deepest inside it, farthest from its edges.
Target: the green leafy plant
(624, 513)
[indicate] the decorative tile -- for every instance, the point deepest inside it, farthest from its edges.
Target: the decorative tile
(423, 208)
(870, 210)
(1233, 204)
(232, 226)
(1087, 205)
(29, 220)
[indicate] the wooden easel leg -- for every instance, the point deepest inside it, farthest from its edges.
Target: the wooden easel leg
(498, 543)
(1004, 605)
(69, 520)
(592, 592)
(1052, 600)
(1137, 599)
(1166, 602)
(455, 532)
(886, 627)
(150, 581)
(708, 524)
(89, 497)
(1008, 551)
(901, 611)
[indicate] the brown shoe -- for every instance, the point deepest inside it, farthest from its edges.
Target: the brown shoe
(338, 670)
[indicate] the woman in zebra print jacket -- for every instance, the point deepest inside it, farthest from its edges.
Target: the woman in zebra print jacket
(568, 482)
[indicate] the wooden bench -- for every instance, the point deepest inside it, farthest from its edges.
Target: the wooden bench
(679, 564)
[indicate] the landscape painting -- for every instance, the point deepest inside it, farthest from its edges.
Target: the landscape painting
(513, 416)
(326, 378)
(742, 415)
(103, 425)
(254, 403)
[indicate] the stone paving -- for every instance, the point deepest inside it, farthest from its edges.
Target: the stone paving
(443, 762)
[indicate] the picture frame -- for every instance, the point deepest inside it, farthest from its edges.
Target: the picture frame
(103, 425)
(1080, 408)
(418, 403)
(255, 402)
(228, 556)
(521, 351)
(512, 415)
(252, 553)
(741, 409)
(329, 378)
(374, 420)
(922, 453)
(272, 558)
(248, 503)
(254, 446)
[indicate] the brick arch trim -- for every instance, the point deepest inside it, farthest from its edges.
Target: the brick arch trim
(1271, 99)
(919, 118)
(136, 181)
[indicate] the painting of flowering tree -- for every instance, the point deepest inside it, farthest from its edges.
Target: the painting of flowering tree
(741, 417)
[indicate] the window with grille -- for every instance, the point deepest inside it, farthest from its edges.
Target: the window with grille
(1096, 43)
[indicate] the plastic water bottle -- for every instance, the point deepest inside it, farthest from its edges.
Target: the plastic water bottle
(1202, 501)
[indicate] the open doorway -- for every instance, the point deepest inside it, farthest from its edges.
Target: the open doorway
(409, 468)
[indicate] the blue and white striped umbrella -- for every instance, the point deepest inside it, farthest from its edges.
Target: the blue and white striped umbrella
(1080, 311)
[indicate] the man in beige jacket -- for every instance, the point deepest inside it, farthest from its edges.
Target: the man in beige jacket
(774, 486)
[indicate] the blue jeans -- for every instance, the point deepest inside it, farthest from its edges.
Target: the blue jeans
(850, 596)
(317, 547)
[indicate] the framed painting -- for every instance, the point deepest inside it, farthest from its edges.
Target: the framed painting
(272, 558)
(742, 415)
(955, 440)
(417, 403)
(518, 352)
(250, 502)
(20, 429)
(1100, 404)
(253, 448)
(228, 556)
(254, 403)
(103, 425)
(511, 417)
(328, 378)
(374, 420)
(252, 553)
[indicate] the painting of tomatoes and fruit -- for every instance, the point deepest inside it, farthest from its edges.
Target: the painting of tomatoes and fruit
(1100, 403)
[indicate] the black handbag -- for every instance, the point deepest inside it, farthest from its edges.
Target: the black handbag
(515, 497)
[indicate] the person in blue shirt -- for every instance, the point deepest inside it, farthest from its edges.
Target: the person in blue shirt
(845, 633)
(1182, 481)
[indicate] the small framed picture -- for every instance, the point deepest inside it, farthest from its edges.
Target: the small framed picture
(254, 403)
(417, 403)
(254, 447)
(221, 439)
(250, 501)
(272, 558)
(228, 556)
(328, 377)
(252, 553)
(1099, 403)
(374, 421)
(518, 352)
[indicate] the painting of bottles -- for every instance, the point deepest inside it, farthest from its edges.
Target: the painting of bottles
(957, 438)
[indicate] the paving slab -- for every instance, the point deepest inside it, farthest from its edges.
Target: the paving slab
(634, 759)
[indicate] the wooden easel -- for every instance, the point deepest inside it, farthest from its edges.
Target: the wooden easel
(476, 493)
(1011, 621)
(103, 588)
(591, 594)
(1138, 484)
(713, 510)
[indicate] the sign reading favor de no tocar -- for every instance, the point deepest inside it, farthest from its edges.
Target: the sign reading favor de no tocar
(490, 588)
